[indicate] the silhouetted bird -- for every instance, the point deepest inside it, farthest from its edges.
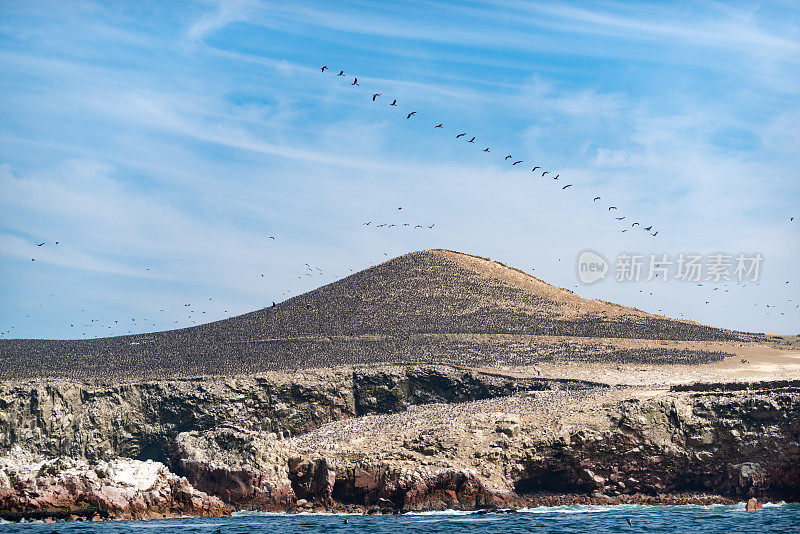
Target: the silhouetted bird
(612, 208)
(431, 226)
(376, 95)
(438, 125)
(412, 113)
(619, 218)
(556, 177)
(471, 140)
(324, 67)
(655, 234)
(355, 81)
(508, 157)
(534, 169)
(40, 244)
(628, 519)
(461, 135)
(341, 73)
(367, 223)
(595, 199)
(518, 161)
(649, 228)
(566, 186)
(545, 172)
(486, 149)
(634, 224)
(394, 103)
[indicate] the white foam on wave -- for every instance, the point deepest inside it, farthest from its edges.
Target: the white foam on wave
(564, 509)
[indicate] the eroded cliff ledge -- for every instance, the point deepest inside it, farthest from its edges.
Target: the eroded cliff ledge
(411, 438)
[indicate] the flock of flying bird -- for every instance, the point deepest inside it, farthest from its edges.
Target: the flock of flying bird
(400, 225)
(514, 162)
(312, 270)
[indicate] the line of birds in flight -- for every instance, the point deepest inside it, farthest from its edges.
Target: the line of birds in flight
(514, 161)
(399, 225)
(462, 135)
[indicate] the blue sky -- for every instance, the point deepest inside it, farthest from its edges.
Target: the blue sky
(162, 144)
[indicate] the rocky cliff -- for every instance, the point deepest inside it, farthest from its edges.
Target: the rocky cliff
(599, 446)
(32, 487)
(392, 439)
(141, 420)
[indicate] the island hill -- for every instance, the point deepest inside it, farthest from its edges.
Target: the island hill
(434, 380)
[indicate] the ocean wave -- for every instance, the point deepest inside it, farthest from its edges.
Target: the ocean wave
(563, 509)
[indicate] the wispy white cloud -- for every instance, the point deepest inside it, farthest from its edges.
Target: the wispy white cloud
(184, 159)
(224, 12)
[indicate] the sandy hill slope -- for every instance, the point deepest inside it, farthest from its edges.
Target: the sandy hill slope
(423, 307)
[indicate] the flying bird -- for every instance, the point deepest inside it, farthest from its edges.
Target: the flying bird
(612, 208)
(394, 102)
(376, 95)
(431, 226)
(461, 135)
(341, 73)
(486, 149)
(401, 207)
(649, 228)
(519, 161)
(595, 199)
(556, 177)
(367, 223)
(508, 157)
(438, 125)
(534, 169)
(655, 234)
(545, 172)
(619, 218)
(412, 113)
(471, 140)
(634, 224)
(566, 186)
(355, 81)
(324, 67)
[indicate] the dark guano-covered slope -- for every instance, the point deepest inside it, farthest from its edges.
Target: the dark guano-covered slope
(423, 307)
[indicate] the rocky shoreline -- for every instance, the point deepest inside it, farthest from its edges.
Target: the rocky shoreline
(70, 489)
(410, 440)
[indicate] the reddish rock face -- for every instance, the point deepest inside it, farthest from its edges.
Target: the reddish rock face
(79, 492)
(243, 488)
(753, 505)
(453, 488)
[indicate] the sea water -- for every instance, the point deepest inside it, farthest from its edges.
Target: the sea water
(782, 518)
